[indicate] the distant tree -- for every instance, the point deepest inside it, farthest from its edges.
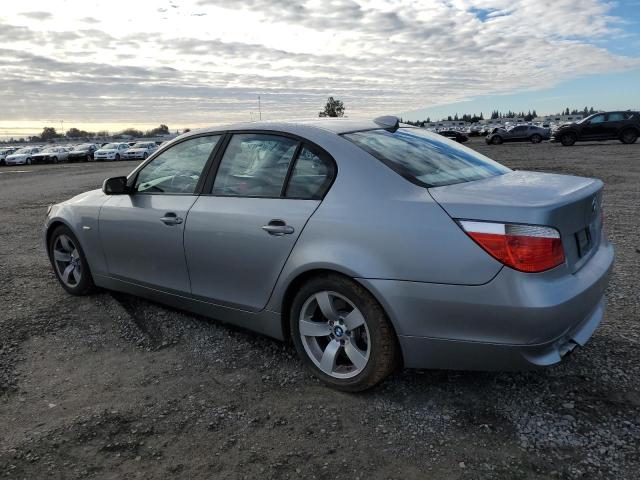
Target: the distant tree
(48, 133)
(158, 131)
(333, 108)
(186, 130)
(591, 111)
(132, 132)
(428, 119)
(76, 133)
(102, 133)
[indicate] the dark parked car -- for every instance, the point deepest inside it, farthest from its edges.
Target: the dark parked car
(623, 126)
(453, 135)
(83, 153)
(519, 133)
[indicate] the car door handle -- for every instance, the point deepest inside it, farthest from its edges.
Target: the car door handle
(171, 219)
(278, 228)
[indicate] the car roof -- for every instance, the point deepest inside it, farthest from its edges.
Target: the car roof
(334, 125)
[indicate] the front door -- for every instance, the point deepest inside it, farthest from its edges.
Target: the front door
(239, 237)
(142, 233)
(595, 128)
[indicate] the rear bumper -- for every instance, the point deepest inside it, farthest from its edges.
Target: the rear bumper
(513, 322)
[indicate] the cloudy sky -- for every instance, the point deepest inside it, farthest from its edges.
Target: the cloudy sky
(110, 64)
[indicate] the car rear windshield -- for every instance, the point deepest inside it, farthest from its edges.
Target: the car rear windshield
(425, 158)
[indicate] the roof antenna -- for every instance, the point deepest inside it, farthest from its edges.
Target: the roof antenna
(388, 122)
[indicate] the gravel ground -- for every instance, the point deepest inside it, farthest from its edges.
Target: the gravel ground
(110, 386)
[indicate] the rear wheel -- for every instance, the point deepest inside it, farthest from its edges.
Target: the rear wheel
(536, 138)
(69, 262)
(28, 161)
(629, 136)
(117, 157)
(54, 160)
(497, 140)
(568, 139)
(87, 158)
(342, 334)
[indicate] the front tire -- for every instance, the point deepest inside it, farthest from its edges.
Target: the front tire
(342, 334)
(69, 262)
(497, 140)
(27, 161)
(629, 136)
(536, 138)
(568, 139)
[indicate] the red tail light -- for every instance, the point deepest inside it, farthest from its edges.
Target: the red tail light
(528, 248)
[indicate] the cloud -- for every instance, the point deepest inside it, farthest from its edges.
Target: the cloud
(37, 15)
(209, 59)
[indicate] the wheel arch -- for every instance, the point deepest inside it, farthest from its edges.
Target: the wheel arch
(303, 277)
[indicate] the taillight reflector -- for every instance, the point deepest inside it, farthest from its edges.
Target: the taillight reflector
(527, 248)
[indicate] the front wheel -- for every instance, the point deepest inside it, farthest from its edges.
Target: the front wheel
(497, 140)
(536, 138)
(342, 334)
(69, 263)
(28, 161)
(568, 139)
(629, 136)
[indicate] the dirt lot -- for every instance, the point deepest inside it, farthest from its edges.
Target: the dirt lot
(109, 386)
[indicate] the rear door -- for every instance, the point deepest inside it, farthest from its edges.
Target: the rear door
(142, 233)
(240, 234)
(614, 123)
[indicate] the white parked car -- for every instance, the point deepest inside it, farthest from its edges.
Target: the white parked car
(22, 156)
(51, 155)
(5, 152)
(140, 150)
(111, 151)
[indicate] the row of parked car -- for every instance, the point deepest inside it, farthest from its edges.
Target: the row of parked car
(622, 126)
(83, 152)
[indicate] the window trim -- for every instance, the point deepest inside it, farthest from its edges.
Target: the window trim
(207, 187)
(133, 176)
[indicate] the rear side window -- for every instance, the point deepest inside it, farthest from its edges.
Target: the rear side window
(615, 117)
(311, 176)
(254, 165)
(424, 158)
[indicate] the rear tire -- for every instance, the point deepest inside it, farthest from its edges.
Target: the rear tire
(351, 345)
(629, 136)
(28, 161)
(536, 138)
(497, 140)
(568, 139)
(69, 262)
(54, 160)
(117, 157)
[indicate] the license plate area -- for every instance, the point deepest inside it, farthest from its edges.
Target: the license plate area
(583, 241)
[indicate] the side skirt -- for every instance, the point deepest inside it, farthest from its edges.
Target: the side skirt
(265, 322)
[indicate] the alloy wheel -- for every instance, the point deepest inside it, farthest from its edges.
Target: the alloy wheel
(66, 259)
(334, 334)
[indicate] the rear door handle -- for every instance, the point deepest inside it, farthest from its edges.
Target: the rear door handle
(171, 218)
(278, 228)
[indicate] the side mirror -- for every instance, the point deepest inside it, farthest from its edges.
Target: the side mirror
(115, 186)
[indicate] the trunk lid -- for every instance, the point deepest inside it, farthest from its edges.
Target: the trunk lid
(570, 204)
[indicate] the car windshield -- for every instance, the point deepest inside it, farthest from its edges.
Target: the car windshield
(425, 158)
(110, 146)
(49, 150)
(141, 145)
(23, 150)
(84, 146)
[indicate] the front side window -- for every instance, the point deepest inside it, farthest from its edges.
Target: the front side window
(254, 165)
(177, 169)
(424, 158)
(311, 176)
(597, 119)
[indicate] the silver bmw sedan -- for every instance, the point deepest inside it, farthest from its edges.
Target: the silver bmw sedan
(368, 244)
